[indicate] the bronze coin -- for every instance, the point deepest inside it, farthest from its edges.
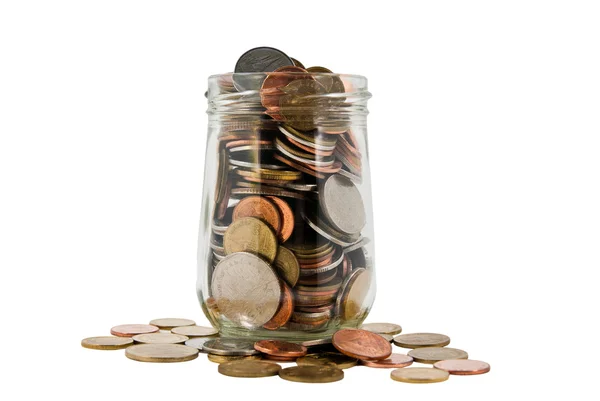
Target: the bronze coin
(270, 92)
(312, 374)
(169, 323)
(436, 354)
(383, 328)
(259, 207)
(130, 330)
(267, 191)
(249, 368)
(250, 234)
(463, 366)
(287, 218)
(287, 266)
(280, 348)
(285, 310)
(418, 340)
(246, 142)
(310, 149)
(419, 375)
(361, 344)
(298, 166)
(268, 357)
(106, 342)
(394, 361)
(340, 361)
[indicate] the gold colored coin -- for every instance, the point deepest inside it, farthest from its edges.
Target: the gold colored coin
(160, 338)
(161, 353)
(335, 359)
(228, 358)
(249, 368)
(419, 375)
(418, 340)
(312, 374)
(436, 354)
(251, 235)
(169, 323)
(353, 300)
(287, 266)
(383, 328)
(106, 342)
(195, 331)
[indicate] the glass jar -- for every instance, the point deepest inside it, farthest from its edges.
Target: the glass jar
(286, 234)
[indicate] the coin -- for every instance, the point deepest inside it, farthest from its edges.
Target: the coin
(383, 328)
(229, 347)
(262, 59)
(130, 330)
(285, 310)
(350, 305)
(463, 366)
(246, 289)
(300, 104)
(419, 375)
(161, 353)
(106, 342)
(169, 323)
(249, 368)
(228, 358)
(394, 361)
(297, 63)
(198, 342)
(276, 358)
(312, 374)
(418, 340)
(263, 190)
(340, 361)
(222, 169)
(361, 344)
(195, 331)
(160, 338)
(261, 208)
(342, 204)
(280, 348)
(270, 90)
(251, 235)
(388, 337)
(436, 354)
(287, 218)
(287, 266)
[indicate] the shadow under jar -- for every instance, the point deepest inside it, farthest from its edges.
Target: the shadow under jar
(286, 234)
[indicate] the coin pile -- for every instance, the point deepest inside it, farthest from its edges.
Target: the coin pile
(318, 361)
(287, 249)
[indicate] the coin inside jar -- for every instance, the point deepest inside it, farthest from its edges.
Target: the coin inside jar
(285, 310)
(280, 348)
(436, 354)
(342, 204)
(261, 208)
(463, 366)
(287, 266)
(361, 344)
(251, 235)
(249, 368)
(418, 340)
(312, 374)
(419, 375)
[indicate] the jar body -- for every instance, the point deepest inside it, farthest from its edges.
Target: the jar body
(286, 246)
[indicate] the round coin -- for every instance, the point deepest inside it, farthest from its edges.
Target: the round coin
(259, 207)
(280, 348)
(198, 342)
(169, 323)
(262, 59)
(340, 361)
(160, 338)
(287, 266)
(249, 368)
(161, 353)
(130, 330)
(436, 354)
(246, 289)
(361, 344)
(195, 331)
(463, 366)
(383, 328)
(342, 204)
(418, 340)
(312, 374)
(285, 310)
(419, 375)
(350, 303)
(287, 218)
(251, 235)
(106, 342)
(394, 361)
(229, 347)
(228, 358)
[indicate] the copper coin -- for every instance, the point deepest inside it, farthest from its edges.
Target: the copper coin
(261, 208)
(419, 375)
(298, 166)
(280, 348)
(169, 323)
(285, 310)
(270, 92)
(436, 354)
(268, 357)
(394, 361)
(418, 340)
(245, 142)
(361, 344)
(383, 328)
(106, 342)
(463, 366)
(130, 330)
(287, 218)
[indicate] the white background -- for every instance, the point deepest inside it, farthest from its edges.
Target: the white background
(484, 144)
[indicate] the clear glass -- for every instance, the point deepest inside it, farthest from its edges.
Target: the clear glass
(286, 247)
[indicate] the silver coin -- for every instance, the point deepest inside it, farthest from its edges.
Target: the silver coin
(246, 289)
(256, 166)
(347, 164)
(358, 244)
(218, 257)
(345, 287)
(343, 205)
(287, 131)
(246, 148)
(312, 343)
(300, 187)
(353, 177)
(436, 354)
(229, 346)
(326, 232)
(259, 59)
(198, 342)
(323, 162)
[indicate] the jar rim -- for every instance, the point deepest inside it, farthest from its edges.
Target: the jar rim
(295, 73)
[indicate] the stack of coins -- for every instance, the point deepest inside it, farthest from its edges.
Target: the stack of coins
(318, 361)
(286, 247)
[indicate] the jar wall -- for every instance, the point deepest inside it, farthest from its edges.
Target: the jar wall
(286, 246)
